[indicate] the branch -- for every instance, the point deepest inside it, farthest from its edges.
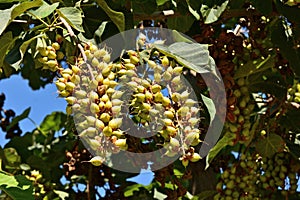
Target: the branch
(72, 34)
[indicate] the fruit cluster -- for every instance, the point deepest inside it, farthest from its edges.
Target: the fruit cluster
(294, 92)
(49, 56)
(239, 181)
(239, 109)
(102, 95)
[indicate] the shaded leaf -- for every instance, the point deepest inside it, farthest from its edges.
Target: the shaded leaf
(205, 194)
(210, 107)
(53, 122)
(73, 16)
(252, 67)
(18, 118)
(178, 37)
(265, 7)
(193, 56)
(26, 5)
(159, 195)
(181, 23)
(270, 145)
(161, 2)
(129, 190)
(6, 41)
(211, 15)
(45, 10)
(117, 18)
(193, 12)
(144, 6)
(290, 119)
(62, 195)
(223, 142)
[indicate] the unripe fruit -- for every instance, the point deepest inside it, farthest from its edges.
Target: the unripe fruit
(157, 77)
(134, 59)
(167, 122)
(171, 130)
(121, 143)
(43, 51)
(43, 59)
(158, 97)
(185, 162)
(241, 82)
(71, 100)
(99, 124)
(196, 157)
(193, 121)
(115, 123)
(146, 106)
(174, 142)
(176, 80)
(91, 131)
(105, 117)
(151, 64)
(169, 114)
(80, 94)
(69, 110)
(70, 86)
(106, 58)
(167, 76)
(107, 131)
(184, 96)
(64, 93)
(156, 88)
(166, 101)
(96, 161)
(51, 63)
(60, 86)
(190, 102)
(148, 95)
(94, 108)
(100, 53)
(177, 70)
(52, 55)
(165, 61)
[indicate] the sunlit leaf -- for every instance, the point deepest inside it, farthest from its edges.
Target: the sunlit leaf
(45, 10)
(208, 102)
(53, 122)
(161, 2)
(117, 18)
(211, 15)
(6, 41)
(73, 16)
(181, 23)
(101, 29)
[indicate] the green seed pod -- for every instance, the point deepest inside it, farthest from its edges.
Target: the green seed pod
(94, 108)
(71, 100)
(244, 90)
(190, 102)
(169, 114)
(134, 59)
(115, 123)
(140, 89)
(90, 120)
(184, 95)
(93, 48)
(145, 84)
(139, 97)
(241, 82)
(176, 80)
(64, 93)
(43, 59)
(165, 61)
(167, 122)
(52, 55)
(111, 76)
(70, 86)
(132, 85)
(157, 77)
(167, 76)
(104, 98)
(151, 64)
(171, 130)
(183, 110)
(106, 58)
(121, 143)
(146, 106)
(116, 110)
(43, 51)
(193, 121)
(118, 133)
(60, 86)
(99, 124)
(106, 71)
(75, 79)
(156, 88)
(177, 70)
(93, 96)
(69, 110)
(174, 143)
(51, 63)
(105, 117)
(55, 45)
(158, 97)
(148, 95)
(96, 161)
(99, 53)
(116, 102)
(175, 97)
(107, 131)
(196, 157)
(108, 105)
(91, 132)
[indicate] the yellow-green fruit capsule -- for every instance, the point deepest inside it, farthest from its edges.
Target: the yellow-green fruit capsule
(116, 110)
(145, 83)
(185, 162)
(184, 96)
(106, 58)
(69, 110)
(146, 106)
(177, 70)
(117, 95)
(107, 131)
(55, 45)
(93, 48)
(175, 97)
(90, 120)
(96, 161)
(108, 105)
(151, 64)
(121, 143)
(70, 86)
(51, 63)
(115, 123)
(70, 100)
(157, 77)
(174, 142)
(93, 96)
(158, 97)
(105, 117)
(190, 102)
(99, 124)
(166, 101)
(60, 86)
(169, 114)
(91, 131)
(171, 130)
(60, 55)
(52, 55)
(118, 133)
(183, 110)
(80, 94)
(94, 108)
(193, 121)
(43, 59)
(134, 59)
(156, 88)
(176, 80)
(167, 122)
(67, 71)
(100, 53)
(129, 66)
(104, 98)
(148, 95)
(64, 93)
(43, 51)
(167, 76)
(196, 157)
(165, 61)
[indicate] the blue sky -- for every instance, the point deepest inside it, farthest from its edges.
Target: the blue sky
(20, 96)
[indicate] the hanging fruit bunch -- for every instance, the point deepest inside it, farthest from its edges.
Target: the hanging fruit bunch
(103, 96)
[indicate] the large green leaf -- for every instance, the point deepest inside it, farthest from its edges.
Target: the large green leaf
(101, 29)
(143, 6)
(117, 18)
(73, 16)
(210, 107)
(17, 187)
(45, 10)
(161, 2)
(193, 56)
(16, 10)
(290, 119)
(265, 6)
(6, 41)
(53, 122)
(223, 142)
(18, 118)
(205, 195)
(252, 67)
(181, 23)
(211, 15)
(270, 145)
